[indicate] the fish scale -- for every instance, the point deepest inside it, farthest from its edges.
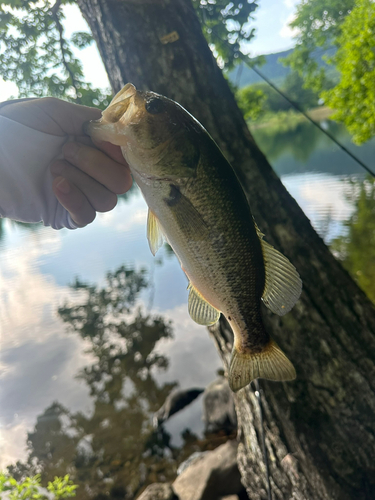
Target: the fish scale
(197, 204)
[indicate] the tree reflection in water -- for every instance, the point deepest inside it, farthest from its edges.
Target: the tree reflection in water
(355, 248)
(295, 146)
(114, 452)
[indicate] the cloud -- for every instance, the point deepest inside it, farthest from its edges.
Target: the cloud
(291, 3)
(193, 357)
(39, 360)
(129, 217)
(329, 205)
(286, 31)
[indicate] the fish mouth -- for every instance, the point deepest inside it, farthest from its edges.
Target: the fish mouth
(128, 91)
(120, 104)
(120, 108)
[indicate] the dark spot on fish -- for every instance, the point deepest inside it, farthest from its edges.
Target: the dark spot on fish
(229, 318)
(174, 196)
(154, 106)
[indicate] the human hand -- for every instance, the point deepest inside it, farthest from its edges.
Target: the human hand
(90, 175)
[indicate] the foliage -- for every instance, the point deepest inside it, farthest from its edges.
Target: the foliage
(257, 101)
(251, 102)
(293, 87)
(356, 248)
(35, 54)
(354, 97)
(318, 23)
(226, 21)
(30, 488)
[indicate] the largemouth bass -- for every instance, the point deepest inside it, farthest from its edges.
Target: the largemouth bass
(197, 204)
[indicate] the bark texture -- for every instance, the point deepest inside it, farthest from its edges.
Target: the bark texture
(320, 429)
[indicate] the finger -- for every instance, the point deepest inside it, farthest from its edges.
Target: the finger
(115, 176)
(100, 198)
(52, 116)
(109, 149)
(74, 201)
(69, 117)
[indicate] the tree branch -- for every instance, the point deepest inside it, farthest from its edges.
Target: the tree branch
(54, 12)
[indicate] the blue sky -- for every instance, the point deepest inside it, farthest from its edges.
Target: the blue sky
(272, 35)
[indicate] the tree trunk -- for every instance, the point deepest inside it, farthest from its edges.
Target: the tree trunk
(320, 429)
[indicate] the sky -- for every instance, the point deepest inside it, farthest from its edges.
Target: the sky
(272, 35)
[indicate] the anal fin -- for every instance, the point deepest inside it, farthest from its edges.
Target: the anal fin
(270, 363)
(200, 310)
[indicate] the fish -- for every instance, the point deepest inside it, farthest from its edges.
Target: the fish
(197, 204)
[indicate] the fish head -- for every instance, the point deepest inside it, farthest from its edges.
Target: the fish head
(156, 134)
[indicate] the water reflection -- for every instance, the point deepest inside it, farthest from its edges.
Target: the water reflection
(21, 225)
(355, 248)
(114, 451)
(294, 146)
(331, 188)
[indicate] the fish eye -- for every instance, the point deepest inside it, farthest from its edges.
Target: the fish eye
(154, 106)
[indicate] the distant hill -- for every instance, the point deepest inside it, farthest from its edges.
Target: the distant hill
(242, 75)
(273, 69)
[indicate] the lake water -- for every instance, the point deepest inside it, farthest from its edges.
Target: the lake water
(83, 367)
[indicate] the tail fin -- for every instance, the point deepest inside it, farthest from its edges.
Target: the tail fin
(270, 363)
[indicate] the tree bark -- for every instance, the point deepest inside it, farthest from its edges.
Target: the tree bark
(320, 429)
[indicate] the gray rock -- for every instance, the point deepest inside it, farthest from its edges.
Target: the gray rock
(158, 491)
(193, 457)
(218, 407)
(212, 475)
(176, 401)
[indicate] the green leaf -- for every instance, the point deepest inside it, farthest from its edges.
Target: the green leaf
(353, 98)
(318, 24)
(81, 39)
(226, 26)
(36, 55)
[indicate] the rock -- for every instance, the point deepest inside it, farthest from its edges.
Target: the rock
(212, 475)
(176, 401)
(193, 457)
(219, 412)
(158, 491)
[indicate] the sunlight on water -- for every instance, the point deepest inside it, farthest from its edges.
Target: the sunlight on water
(324, 199)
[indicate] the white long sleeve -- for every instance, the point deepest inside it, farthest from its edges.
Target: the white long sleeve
(25, 180)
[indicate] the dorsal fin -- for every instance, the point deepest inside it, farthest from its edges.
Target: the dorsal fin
(283, 285)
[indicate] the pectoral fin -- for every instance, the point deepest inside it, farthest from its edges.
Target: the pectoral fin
(200, 310)
(186, 214)
(154, 233)
(283, 285)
